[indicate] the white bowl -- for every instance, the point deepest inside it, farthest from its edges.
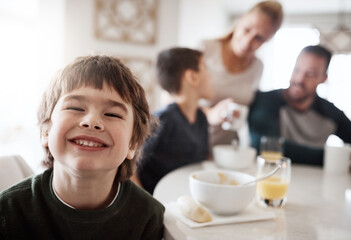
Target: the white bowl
(212, 189)
(226, 156)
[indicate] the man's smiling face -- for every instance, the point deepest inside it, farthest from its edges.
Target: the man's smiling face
(309, 72)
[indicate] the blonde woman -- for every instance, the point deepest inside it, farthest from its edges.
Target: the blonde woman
(235, 69)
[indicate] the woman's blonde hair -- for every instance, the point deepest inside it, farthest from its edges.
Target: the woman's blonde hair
(273, 9)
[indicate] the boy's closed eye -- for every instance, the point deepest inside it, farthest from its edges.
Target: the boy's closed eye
(114, 115)
(79, 109)
(75, 108)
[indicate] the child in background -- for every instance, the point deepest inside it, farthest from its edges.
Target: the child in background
(92, 119)
(182, 136)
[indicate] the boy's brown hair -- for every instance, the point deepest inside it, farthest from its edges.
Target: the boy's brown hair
(171, 65)
(94, 71)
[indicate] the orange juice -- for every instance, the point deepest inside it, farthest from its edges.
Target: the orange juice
(273, 188)
(271, 155)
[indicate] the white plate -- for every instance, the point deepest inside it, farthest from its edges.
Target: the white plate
(251, 213)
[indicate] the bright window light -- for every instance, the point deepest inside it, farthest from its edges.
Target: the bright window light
(19, 92)
(288, 43)
(338, 84)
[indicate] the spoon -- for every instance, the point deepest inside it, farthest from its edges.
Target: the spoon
(264, 176)
(236, 141)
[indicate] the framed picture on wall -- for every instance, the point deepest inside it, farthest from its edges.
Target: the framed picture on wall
(129, 21)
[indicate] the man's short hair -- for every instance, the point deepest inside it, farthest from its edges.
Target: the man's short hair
(319, 51)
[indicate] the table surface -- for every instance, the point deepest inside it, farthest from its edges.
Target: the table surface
(318, 207)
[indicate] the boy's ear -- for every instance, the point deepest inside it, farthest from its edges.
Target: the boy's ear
(131, 153)
(191, 77)
(44, 139)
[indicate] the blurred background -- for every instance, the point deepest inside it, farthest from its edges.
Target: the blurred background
(40, 36)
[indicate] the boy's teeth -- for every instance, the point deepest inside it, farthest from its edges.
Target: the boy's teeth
(88, 143)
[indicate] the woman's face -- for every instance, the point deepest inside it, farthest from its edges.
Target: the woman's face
(252, 30)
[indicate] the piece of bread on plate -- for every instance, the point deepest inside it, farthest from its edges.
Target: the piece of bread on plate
(192, 210)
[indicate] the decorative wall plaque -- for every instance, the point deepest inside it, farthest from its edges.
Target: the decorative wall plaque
(338, 40)
(131, 21)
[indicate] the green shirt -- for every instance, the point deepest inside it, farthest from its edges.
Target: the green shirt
(30, 210)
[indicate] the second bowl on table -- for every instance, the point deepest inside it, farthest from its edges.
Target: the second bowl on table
(226, 156)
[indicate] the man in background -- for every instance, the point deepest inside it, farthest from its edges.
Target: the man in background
(298, 114)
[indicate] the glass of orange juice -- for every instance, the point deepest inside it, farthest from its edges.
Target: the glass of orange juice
(272, 192)
(271, 148)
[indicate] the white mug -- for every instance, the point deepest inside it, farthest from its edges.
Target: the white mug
(337, 159)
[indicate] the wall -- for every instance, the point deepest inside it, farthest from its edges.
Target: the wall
(200, 19)
(81, 40)
(51, 38)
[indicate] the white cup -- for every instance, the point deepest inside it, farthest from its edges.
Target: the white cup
(337, 159)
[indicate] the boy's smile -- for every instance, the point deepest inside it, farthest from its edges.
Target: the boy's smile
(88, 143)
(91, 130)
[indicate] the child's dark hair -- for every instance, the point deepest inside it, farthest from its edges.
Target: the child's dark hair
(94, 71)
(171, 65)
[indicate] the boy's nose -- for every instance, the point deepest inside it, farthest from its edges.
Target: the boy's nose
(92, 124)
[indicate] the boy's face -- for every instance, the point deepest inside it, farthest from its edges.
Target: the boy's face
(206, 85)
(91, 130)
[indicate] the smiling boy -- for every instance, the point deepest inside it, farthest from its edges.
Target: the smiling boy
(93, 117)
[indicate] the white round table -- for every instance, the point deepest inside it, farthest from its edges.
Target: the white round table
(318, 207)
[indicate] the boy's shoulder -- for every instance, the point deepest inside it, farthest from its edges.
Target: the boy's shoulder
(142, 201)
(22, 188)
(17, 191)
(142, 210)
(169, 113)
(23, 195)
(166, 110)
(138, 193)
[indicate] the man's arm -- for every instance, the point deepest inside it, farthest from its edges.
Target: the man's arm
(303, 154)
(296, 152)
(344, 128)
